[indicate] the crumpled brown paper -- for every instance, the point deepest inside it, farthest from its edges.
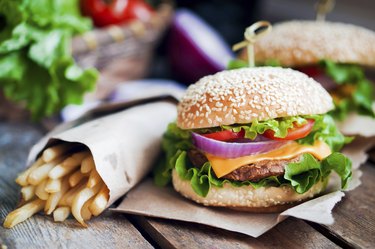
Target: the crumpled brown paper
(149, 200)
(124, 145)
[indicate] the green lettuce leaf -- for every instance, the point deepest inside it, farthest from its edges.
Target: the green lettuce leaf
(364, 94)
(202, 179)
(280, 126)
(175, 140)
(38, 69)
(325, 129)
(301, 176)
(308, 171)
(238, 63)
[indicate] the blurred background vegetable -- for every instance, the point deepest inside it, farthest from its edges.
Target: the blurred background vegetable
(195, 49)
(37, 67)
(109, 12)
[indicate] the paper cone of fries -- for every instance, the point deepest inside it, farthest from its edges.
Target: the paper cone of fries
(84, 169)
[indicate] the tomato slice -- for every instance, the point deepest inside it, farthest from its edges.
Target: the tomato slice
(294, 133)
(226, 135)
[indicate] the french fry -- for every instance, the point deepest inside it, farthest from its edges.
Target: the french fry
(23, 213)
(40, 190)
(61, 170)
(94, 179)
(41, 173)
(50, 184)
(61, 214)
(22, 178)
(68, 197)
(87, 164)
(85, 212)
(80, 199)
(56, 151)
(54, 198)
(75, 178)
(100, 201)
(28, 192)
(53, 185)
(68, 165)
(81, 155)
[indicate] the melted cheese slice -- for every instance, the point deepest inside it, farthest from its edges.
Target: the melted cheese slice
(223, 166)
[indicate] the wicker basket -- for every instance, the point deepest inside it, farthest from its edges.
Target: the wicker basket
(121, 52)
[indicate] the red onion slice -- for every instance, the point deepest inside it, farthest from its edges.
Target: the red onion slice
(233, 150)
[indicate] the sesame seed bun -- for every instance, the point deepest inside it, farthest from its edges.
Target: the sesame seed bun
(244, 95)
(299, 43)
(246, 198)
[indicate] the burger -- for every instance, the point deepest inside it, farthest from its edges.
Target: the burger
(253, 139)
(339, 56)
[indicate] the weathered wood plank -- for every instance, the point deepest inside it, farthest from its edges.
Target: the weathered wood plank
(355, 214)
(106, 231)
(291, 233)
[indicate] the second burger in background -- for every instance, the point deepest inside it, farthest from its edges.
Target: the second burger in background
(254, 139)
(337, 55)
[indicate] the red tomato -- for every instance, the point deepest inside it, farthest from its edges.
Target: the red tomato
(294, 133)
(225, 135)
(109, 12)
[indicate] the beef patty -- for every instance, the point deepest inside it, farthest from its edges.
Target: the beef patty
(252, 172)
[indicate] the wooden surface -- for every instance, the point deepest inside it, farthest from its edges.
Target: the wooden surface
(291, 233)
(354, 215)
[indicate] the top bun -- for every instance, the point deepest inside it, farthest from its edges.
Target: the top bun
(244, 95)
(299, 43)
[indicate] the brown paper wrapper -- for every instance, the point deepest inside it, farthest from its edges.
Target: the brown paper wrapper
(168, 204)
(124, 145)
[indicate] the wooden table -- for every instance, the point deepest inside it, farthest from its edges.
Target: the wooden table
(354, 215)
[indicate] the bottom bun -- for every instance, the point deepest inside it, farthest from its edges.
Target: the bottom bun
(247, 198)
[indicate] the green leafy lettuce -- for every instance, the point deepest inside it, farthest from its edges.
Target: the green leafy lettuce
(280, 126)
(362, 96)
(325, 129)
(238, 63)
(301, 176)
(174, 140)
(37, 67)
